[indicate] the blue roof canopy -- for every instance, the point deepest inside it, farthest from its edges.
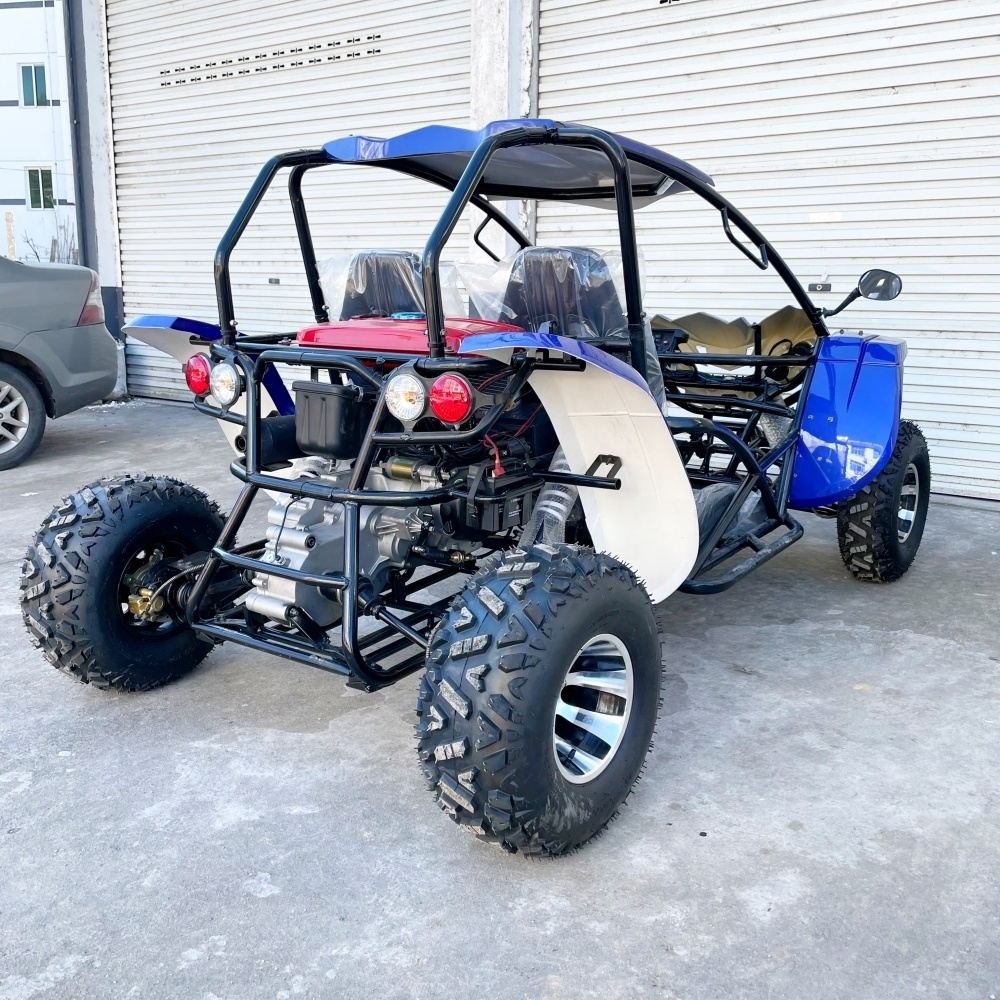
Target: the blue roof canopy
(440, 153)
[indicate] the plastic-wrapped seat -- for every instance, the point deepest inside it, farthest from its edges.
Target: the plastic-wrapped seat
(570, 291)
(567, 291)
(372, 283)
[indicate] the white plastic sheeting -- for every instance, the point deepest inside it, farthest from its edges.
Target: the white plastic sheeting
(597, 412)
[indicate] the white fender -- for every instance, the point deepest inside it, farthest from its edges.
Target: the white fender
(157, 331)
(177, 343)
(651, 522)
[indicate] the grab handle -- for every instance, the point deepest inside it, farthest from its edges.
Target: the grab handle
(761, 261)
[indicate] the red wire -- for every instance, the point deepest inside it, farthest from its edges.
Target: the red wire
(524, 426)
(498, 469)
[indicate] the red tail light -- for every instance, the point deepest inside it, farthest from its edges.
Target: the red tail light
(93, 310)
(198, 374)
(451, 398)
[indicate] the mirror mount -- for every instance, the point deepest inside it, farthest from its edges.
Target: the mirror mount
(843, 305)
(876, 284)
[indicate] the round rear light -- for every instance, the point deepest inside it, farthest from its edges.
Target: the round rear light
(225, 384)
(405, 397)
(451, 398)
(198, 374)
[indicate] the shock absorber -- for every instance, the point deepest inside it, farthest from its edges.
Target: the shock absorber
(552, 508)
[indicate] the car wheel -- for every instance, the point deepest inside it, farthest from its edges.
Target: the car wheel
(81, 571)
(879, 529)
(22, 416)
(540, 698)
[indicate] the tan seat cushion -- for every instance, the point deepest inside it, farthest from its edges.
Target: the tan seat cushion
(780, 332)
(786, 329)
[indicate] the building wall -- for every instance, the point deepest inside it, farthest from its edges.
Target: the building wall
(854, 134)
(200, 101)
(32, 32)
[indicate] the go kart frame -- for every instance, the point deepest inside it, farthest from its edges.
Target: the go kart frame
(570, 472)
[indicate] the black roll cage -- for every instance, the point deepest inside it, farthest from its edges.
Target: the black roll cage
(359, 656)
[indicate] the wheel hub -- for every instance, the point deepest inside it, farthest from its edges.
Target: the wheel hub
(909, 498)
(13, 417)
(142, 594)
(593, 709)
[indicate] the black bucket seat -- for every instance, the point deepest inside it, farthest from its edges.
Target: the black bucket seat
(570, 291)
(380, 283)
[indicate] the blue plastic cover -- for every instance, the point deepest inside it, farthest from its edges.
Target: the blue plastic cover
(850, 419)
(573, 173)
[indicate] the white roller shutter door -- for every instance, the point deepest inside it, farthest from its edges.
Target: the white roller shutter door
(204, 93)
(854, 134)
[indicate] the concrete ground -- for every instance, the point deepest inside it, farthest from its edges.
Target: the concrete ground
(819, 818)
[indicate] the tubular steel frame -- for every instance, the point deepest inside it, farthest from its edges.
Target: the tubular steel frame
(255, 356)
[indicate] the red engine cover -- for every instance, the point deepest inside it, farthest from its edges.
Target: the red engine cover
(394, 336)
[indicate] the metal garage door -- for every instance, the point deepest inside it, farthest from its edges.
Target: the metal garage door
(855, 134)
(202, 94)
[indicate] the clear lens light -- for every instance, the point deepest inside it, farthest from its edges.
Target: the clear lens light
(405, 397)
(225, 384)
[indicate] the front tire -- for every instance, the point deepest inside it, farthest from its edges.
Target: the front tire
(83, 563)
(22, 417)
(540, 698)
(879, 529)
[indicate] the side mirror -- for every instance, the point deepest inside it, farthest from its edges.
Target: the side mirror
(876, 284)
(882, 286)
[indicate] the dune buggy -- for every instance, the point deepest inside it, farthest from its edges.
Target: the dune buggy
(542, 443)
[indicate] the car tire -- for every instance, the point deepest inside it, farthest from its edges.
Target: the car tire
(74, 587)
(518, 657)
(22, 416)
(879, 529)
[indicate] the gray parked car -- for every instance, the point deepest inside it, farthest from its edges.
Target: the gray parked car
(56, 354)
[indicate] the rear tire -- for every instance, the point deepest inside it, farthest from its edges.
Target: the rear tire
(540, 698)
(879, 529)
(73, 585)
(22, 417)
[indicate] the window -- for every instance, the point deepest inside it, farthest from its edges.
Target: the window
(34, 93)
(40, 188)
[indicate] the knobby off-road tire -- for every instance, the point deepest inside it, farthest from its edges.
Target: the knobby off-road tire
(22, 417)
(880, 528)
(72, 587)
(499, 666)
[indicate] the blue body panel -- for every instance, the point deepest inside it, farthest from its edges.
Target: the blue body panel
(443, 152)
(551, 342)
(210, 331)
(850, 419)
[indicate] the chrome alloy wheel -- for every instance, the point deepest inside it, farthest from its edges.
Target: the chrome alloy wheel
(909, 498)
(13, 417)
(593, 709)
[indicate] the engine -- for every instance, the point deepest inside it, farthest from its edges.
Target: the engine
(491, 482)
(308, 535)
